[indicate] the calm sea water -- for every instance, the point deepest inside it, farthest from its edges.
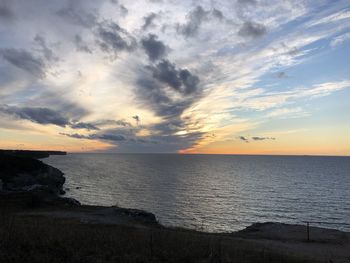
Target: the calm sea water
(220, 193)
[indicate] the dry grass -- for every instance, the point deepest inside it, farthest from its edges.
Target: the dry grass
(41, 239)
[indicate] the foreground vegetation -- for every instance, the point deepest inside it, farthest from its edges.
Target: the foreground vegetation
(29, 236)
(39, 239)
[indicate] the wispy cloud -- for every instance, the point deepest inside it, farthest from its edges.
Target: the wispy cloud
(255, 138)
(340, 39)
(287, 112)
(336, 17)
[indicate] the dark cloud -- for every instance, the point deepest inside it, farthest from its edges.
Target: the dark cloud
(252, 29)
(242, 138)
(142, 140)
(129, 142)
(113, 39)
(263, 138)
(110, 37)
(154, 85)
(170, 127)
(8, 75)
(167, 73)
(293, 51)
(173, 142)
(6, 13)
(122, 123)
(75, 135)
(123, 10)
(114, 136)
(84, 125)
(162, 139)
(148, 21)
(168, 91)
(59, 103)
(36, 114)
(247, 2)
(107, 137)
(81, 45)
(194, 20)
(44, 116)
(217, 14)
(152, 94)
(24, 60)
(255, 138)
(180, 80)
(61, 112)
(74, 14)
(281, 75)
(136, 118)
(190, 82)
(44, 49)
(287, 50)
(154, 48)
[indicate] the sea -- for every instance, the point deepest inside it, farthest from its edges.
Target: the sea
(214, 193)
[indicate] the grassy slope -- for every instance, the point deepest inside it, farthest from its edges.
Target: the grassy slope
(39, 239)
(46, 239)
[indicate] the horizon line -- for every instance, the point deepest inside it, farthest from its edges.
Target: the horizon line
(178, 153)
(236, 154)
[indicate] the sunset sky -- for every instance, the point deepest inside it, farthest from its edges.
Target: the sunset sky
(218, 76)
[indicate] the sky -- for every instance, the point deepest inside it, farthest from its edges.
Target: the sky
(157, 76)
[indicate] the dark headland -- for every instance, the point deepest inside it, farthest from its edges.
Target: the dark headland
(38, 224)
(32, 154)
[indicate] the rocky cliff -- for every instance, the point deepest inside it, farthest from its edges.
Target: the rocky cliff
(19, 173)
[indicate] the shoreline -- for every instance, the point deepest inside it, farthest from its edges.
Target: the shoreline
(42, 211)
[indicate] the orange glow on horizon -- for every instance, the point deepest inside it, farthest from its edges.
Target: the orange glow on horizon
(86, 146)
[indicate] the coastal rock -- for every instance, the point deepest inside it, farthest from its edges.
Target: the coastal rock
(290, 232)
(31, 154)
(27, 174)
(35, 187)
(40, 197)
(137, 214)
(70, 201)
